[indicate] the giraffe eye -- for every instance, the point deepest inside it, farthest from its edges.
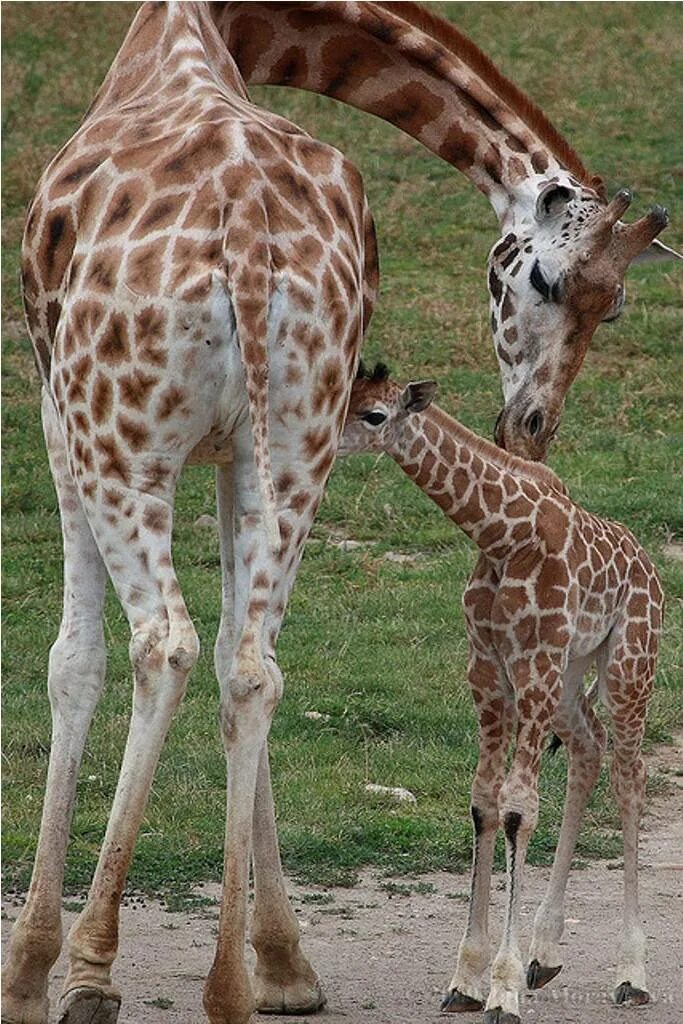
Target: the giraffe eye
(374, 418)
(550, 292)
(539, 282)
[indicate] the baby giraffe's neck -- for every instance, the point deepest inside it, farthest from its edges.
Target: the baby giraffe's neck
(473, 482)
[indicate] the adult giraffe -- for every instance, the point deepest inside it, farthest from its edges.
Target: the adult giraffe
(197, 275)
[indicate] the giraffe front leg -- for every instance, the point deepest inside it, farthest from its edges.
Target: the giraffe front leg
(466, 990)
(537, 694)
(495, 711)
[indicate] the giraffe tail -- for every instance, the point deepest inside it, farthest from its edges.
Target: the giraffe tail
(257, 317)
(555, 741)
(554, 745)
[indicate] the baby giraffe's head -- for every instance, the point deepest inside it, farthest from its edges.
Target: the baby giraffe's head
(379, 409)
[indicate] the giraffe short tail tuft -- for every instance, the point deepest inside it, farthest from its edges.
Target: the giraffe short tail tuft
(554, 744)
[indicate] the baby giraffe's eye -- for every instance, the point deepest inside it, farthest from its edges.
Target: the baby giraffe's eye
(374, 418)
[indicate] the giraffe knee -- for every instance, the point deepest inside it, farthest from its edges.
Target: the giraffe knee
(518, 810)
(163, 660)
(484, 797)
(250, 696)
(628, 779)
(484, 812)
(76, 670)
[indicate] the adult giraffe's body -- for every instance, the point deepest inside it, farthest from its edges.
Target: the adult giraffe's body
(197, 276)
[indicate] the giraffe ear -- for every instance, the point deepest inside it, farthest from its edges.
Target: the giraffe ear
(418, 395)
(552, 201)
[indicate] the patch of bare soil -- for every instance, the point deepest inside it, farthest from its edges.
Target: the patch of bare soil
(386, 948)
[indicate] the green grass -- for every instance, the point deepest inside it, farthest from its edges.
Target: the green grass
(377, 646)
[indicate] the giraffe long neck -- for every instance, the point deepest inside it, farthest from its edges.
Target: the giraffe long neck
(470, 479)
(409, 67)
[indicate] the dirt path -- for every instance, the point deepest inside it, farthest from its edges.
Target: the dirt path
(386, 948)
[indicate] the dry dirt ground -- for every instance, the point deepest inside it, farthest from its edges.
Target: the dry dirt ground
(386, 948)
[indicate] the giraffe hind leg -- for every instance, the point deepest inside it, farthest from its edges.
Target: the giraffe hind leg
(75, 680)
(136, 547)
(496, 713)
(256, 584)
(584, 738)
(284, 980)
(627, 674)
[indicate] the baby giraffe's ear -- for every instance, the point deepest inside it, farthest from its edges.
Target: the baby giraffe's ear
(416, 396)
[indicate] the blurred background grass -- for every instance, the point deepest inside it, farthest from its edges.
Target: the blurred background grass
(376, 645)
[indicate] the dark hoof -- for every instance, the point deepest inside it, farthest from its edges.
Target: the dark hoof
(626, 994)
(497, 1016)
(89, 1006)
(537, 976)
(458, 1002)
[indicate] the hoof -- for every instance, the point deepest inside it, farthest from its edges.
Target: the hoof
(537, 976)
(88, 1006)
(626, 995)
(294, 999)
(499, 1016)
(458, 1002)
(14, 1012)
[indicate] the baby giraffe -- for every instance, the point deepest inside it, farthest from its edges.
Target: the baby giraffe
(554, 591)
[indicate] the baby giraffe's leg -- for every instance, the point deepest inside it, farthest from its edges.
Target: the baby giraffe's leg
(537, 685)
(628, 686)
(496, 713)
(584, 738)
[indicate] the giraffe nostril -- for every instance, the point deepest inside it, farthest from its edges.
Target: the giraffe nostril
(534, 423)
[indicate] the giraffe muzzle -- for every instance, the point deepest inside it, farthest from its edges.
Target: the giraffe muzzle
(524, 429)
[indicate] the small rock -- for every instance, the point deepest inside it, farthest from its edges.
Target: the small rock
(398, 556)
(350, 545)
(316, 716)
(674, 550)
(206, 522)
(395, 792)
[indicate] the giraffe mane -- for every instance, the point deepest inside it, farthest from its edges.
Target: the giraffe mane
(379, 373)
(517, 100)
(489, 451)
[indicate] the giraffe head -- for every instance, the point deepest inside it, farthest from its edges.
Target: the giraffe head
(379, 408)
(555, 275)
